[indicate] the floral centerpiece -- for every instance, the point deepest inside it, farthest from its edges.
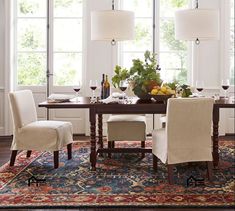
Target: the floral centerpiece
(143, 76)
(145, 81)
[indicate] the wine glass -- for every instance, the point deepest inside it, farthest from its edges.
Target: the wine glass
(123, 86)
(77, 88)
(225, 86)
(199, 86)
(93, 85)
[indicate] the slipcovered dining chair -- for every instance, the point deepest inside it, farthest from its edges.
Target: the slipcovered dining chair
(187, 136)
(30, 134)
(126, 128)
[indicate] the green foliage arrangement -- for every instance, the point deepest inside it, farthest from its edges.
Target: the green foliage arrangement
(143, 75)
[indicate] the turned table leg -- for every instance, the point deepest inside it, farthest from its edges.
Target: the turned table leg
(215, 138)
(100, 132)
(93, 138)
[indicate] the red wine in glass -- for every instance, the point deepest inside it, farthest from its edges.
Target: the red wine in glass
(199, 89)
(93, 87)
(225, 87)
(123, 88)
(76, 90)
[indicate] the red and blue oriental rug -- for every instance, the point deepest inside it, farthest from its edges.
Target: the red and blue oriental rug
(124, 180)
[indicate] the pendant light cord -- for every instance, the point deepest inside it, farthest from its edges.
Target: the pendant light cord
(197, 41)
(112, 4)
(196, 4)
(113, 42)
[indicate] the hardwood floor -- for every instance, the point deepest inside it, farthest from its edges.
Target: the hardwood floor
(5, 144)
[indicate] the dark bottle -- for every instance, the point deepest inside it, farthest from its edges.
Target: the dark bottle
(106, 86)
(102, 87)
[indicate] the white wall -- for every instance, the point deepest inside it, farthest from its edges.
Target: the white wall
(98, 60)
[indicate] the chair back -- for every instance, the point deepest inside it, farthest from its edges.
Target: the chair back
(22, 108)
(188, 129)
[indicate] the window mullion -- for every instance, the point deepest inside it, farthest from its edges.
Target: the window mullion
(50, 44)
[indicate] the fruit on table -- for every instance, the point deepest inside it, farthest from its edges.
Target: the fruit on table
(164, 90)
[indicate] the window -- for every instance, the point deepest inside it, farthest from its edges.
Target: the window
(143, 31)
(172, 53)
(65, 46)
(232, 70)
(31, 42)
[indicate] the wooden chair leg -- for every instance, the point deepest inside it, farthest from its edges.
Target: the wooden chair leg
(28, 153)
(110, 147)
(13, 157)
(210, 170)
(170, 173)
(56, 159)
(155, 162)
(142, 146)
(69, 149)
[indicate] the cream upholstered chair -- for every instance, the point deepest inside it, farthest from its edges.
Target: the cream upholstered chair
(187, 136)
(31, 134)
(126, 128)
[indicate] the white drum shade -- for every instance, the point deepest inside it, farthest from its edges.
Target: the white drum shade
(112, 25)
(197, 23)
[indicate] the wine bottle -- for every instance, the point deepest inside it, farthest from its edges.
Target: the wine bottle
(102, 87)
(106, 87)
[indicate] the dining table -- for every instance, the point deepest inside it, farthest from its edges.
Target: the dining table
(134, 106)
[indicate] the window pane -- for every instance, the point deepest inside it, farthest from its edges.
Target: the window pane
(128, 57)
(173, 60)
(143, 36)
(173, 53)
(142, 8)
(232, 35)
(68, 8)
(232, 70)
(169, 75)
(31, 69)
(67, 68)
(31, 34)
(68, 35)
(35, 8)
(168, 7)
(232, 8)
(176, 61)
(167, 37)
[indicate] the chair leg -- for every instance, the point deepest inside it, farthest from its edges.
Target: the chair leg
(13, 157)
(142, 146)
(170, 173)
(69, 149)
(155, 162)
(56, 159)
(210, 170)
(110, 145)
(28, 153)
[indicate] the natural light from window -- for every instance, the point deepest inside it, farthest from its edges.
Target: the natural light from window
(173, 56)
(66, 44)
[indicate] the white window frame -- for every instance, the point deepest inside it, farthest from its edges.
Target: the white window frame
(66, 88)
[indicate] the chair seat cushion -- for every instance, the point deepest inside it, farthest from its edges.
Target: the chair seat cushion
(127, 118)
(43, 135)
(126, 128)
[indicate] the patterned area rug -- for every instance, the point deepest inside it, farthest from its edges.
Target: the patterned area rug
(124, 180)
